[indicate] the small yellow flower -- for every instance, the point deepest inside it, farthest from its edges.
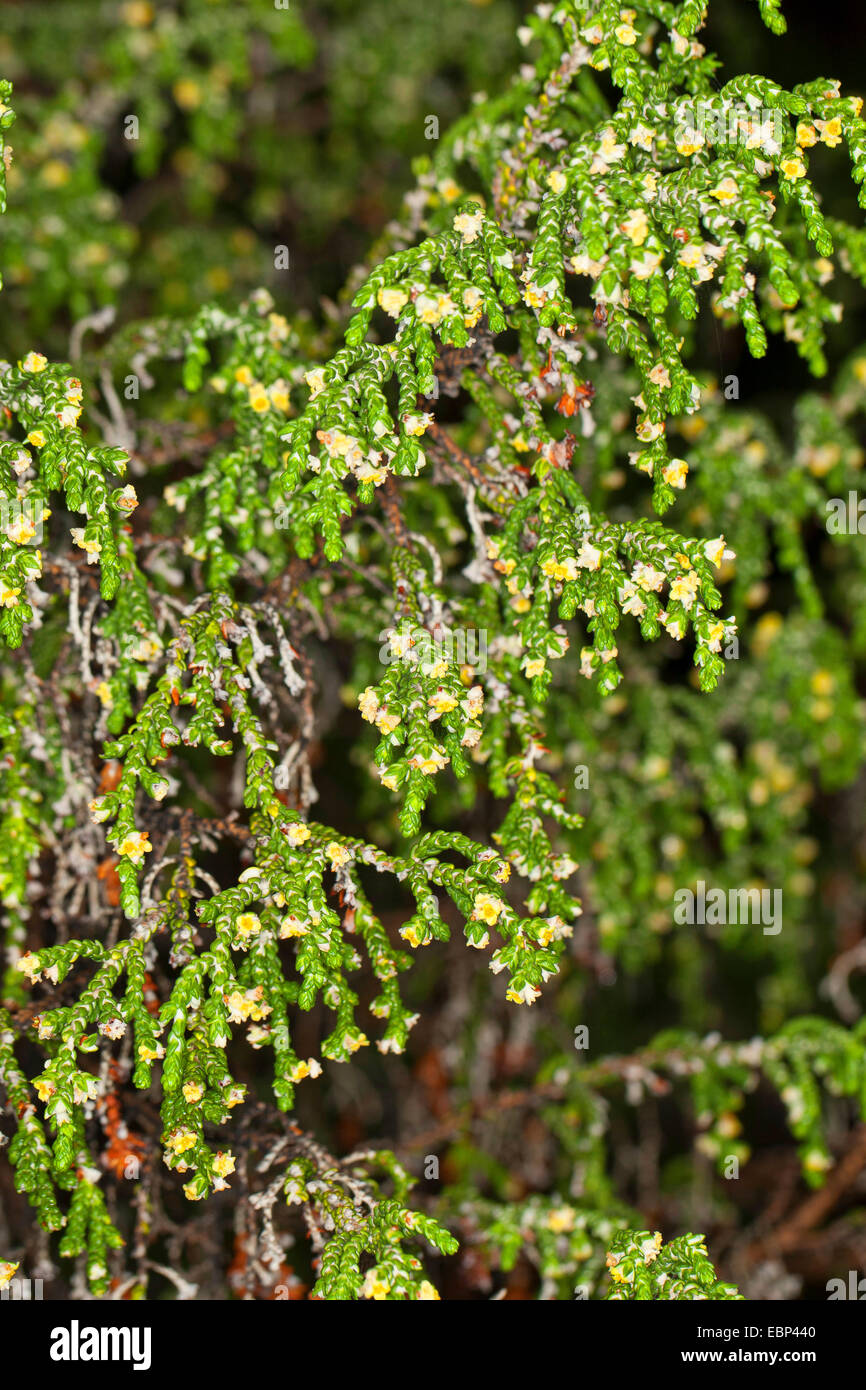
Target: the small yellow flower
(429, 763)
(449, 190)
(831, 132)
(187, 93)
(298, 833)
(644, 266)
(374, 1286)
(21, 530)
(536, 298)
(487, 908)
(417, 424)
(817, 1162)
(807, 136)
(385, 721)
(561, 1219)
(316, 381)
(278, 331)
(135, 845)
(36, 438)
(28, 964)
(793, 168)
(674, 473)
(442, 702)
(588, 557)
(368, 703)
(527, 995)
(91, 546)
(473, 301)
(727, 191)
(684, 588)
(192, 1092)
(642, 136)
(822, 683)
(7, 1270)
(34, 362)
(715, 551)
(689, 142)
(238, 1005)
(650, 182)
(224, 1164)
(691, 256)
(292, 927)
(636, 227)
(55, 173)
(259, 399)
(338, 854)
(248, 924)
(138, 13)
(767, 629)
(427, 309)
(469, 225)
(180, 1140)
(473, 704)
(392, 300)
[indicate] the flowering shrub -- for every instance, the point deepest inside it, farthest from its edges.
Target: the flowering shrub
(337, 647)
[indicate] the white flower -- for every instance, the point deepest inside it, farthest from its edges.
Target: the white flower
(588, 557)
(716, 552)
(469, 224)
(316, 382)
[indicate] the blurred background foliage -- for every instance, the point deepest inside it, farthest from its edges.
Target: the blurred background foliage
(257, 126)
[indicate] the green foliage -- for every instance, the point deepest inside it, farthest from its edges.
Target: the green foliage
(486, 444)
(642, 1267)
